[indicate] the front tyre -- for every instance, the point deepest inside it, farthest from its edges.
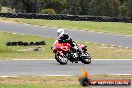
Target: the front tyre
(61, 59)
(86, 58)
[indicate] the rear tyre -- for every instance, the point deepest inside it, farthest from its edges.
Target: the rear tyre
(61, 59)
(86, 59)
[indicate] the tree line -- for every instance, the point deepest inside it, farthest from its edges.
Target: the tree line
(113, 8)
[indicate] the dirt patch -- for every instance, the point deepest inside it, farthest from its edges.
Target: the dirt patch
(60, 80)
(31, 49)
(57, 80)
(7, 21)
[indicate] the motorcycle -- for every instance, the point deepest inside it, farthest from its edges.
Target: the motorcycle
(64, 53)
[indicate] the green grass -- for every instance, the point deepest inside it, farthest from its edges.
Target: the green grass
(40, 82)
(52, 82)
(40, 86)
(108, 27)
(97, 51)
(12, 52)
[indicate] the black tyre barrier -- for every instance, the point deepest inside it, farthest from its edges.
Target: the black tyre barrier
(37, 43)
(20, 43)
(31, 43)
(25, 44)
(66, 17)
(42, 43)
(14, 44)
(8, 44)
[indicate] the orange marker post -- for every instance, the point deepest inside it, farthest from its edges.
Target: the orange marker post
(84, 80)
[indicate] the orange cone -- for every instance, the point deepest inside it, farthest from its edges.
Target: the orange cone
(84, 74)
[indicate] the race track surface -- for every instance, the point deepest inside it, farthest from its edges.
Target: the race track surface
(51, 67)
(102, 38)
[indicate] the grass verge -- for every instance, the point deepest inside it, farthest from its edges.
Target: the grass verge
(108, 27)
(39, 82)
(51, 82)
(25, 52)
(97, 51)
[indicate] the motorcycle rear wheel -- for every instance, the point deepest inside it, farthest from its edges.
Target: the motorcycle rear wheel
(61, 59)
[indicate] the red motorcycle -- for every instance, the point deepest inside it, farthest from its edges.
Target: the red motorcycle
(64, 52)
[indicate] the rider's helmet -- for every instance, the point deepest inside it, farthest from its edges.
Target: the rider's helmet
(60, 32)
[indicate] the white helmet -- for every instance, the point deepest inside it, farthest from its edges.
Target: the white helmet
(60, 32)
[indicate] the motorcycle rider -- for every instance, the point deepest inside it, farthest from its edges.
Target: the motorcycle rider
(63, 37)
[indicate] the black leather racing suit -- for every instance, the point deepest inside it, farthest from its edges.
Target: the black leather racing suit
(66, 39)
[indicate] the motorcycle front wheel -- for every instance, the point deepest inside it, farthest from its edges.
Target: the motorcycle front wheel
(86, 58)
(61, 59)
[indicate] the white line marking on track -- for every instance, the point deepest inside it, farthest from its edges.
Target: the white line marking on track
(21, 34)
(111, 59)
(54, 59)
(7, 76)
(68, 75)
(95, 43)
(34, 59)
(103, 44)
(27, 24)
(59, 75)
(121, 74)
(53, 27)
(77, 41)
(39, 75)
(112, 45)
(44, 26)
(35, 25)
(120, 46)
(75, 29)
(14, 33)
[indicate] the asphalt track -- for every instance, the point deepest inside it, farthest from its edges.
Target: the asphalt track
(43, 31)
(51, 67)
